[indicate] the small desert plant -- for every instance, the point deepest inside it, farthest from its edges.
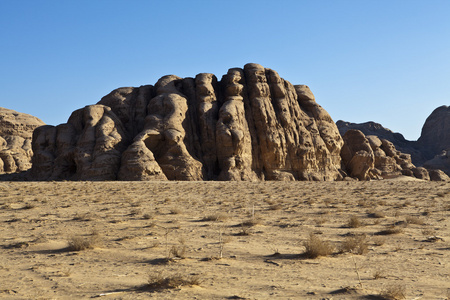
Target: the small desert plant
(394, 292)
(245, 230)
(379, 274)
(354, 222)
(376, 214)
(429, 232)
(178, 251)
(216, 217)
(414, 220)
(275, 206)
(78, 243)
(355, 244)
(391, 230)
(82, 217)
(160, 281)
(320, 221)
(315, 247)
(147, 216)
(251, 222)
(175, 211)
(222, 241)
(29, 206)
(379, 241)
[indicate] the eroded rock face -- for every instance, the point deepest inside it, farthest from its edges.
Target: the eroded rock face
(376, 129)
(250, 125)
(435, 136)
(16, 131)
(369, 157)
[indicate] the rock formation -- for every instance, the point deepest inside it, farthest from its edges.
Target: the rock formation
(369, 157)
(435, 136)
(250, 125)
(16, 130)
(429, 151)
(376, 129)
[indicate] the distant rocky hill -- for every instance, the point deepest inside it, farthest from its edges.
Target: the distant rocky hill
(16, 130)
(250, 125)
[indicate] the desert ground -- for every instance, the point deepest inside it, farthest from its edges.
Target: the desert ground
(387, 239)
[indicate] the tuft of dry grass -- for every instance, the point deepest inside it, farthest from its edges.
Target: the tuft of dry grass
(275, 206)
(394, 291)
(379, 274)
(82, 217)
(376, 214)
(219, 217)
(391, 230)
(379, 241)
(79, 243)
(175, 211)
(355, 244)
(315, 247)
(354, 222)
(414, 220)
(160, 281)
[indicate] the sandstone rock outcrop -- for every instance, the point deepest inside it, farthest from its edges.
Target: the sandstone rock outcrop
(369, 157)
(16, 130)
(250, 125)
(376, 129)
(435, 136)
(430, 150)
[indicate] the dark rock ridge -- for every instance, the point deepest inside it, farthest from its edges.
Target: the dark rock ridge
(250, 125)
(16, 130)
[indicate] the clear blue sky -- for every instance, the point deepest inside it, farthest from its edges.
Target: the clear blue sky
(365, 60)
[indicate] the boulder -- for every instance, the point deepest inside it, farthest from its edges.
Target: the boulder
(438, 175)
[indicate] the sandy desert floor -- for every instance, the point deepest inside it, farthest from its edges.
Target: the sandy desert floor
(225, 240)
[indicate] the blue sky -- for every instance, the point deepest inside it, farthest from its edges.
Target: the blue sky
(365, 60)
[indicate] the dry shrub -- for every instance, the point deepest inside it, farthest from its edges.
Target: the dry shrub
(376, 214)
(355, 244)
(79, 243)
(275, 207)
(148, 216)
(391, 230)
(315, 247)
(379, 241)
(379, 275)
(218, 217)
(251, 222)
(354, 222)
(394, 291)
(160, 281)
(83, 217)
(175, 211)
(414, 220)
(320, 221)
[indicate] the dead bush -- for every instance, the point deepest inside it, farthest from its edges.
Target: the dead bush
(160, 281)
(394, 291)
(315, 247)
(355, 244)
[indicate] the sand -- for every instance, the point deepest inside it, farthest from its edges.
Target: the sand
(224, 240)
